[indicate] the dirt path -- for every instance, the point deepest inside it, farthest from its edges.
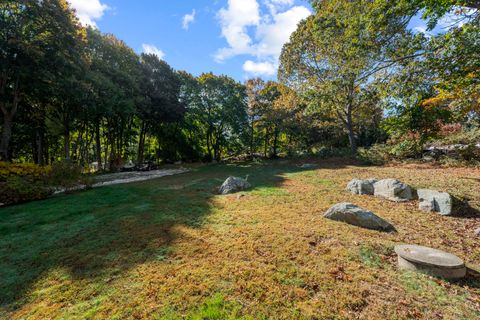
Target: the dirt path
(128, 177)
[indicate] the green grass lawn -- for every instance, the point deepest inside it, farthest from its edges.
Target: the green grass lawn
(172, 248)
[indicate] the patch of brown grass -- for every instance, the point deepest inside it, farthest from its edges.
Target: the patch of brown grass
(273, 253)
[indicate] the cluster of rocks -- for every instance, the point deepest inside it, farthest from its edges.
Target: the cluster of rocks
(394, 190)
(410, 257)
(390, 189)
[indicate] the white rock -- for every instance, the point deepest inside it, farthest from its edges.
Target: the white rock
(234, 184)
(357, 186)
(393, 190)
(434, 201)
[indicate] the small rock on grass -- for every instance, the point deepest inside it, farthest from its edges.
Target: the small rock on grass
(357, 186)
(393, 190)
(354, 215)
(234, 184)
(434, 201)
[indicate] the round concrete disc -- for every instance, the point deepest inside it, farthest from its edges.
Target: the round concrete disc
(428, 256)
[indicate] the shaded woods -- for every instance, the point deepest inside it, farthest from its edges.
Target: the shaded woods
(353, 75)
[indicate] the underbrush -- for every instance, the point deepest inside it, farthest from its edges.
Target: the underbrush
(27, 182)
(405, 152)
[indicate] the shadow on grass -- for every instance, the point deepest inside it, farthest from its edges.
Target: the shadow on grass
(463, 209)
(472, 279)
(102, 233)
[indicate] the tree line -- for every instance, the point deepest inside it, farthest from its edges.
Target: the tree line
(353, 74)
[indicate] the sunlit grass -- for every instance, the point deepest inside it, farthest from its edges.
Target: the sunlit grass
(173, 248)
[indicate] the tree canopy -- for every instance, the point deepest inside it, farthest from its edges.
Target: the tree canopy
(352, 75)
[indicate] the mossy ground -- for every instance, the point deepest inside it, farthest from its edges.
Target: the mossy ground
(172, 249)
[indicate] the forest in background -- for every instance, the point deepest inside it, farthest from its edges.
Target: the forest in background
(353, 79)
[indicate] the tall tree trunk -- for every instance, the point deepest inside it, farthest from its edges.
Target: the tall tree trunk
(351, 133)
(6, 136)
(141, 144)
(217, 149)
(66, 141)
(252, 138)
(275, 142)
(8, 116)
(209, 146)
(265, 151)
(39, 141)
(98, 143)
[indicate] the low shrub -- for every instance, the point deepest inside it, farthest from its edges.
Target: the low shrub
(22, 189)
(326, 153)
(8, 170)
(377, 154)
(28, 182)
(22, 182)
(67, 175)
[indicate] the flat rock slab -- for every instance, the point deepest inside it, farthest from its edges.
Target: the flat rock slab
(354, 215)
(432, 261)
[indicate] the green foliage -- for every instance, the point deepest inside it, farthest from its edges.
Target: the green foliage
(67, 174)
(8, 170)
(23, 182)
(218, 112)
(73, 92)
(335, 55)
(22, 189)
(377, 154)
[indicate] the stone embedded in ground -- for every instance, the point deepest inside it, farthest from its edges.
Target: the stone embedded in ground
(477, 233)
(431, 261)
(357, 186)
(234, 184)
(393, 190)
(354, 215)
(308, 166)
(434, 201)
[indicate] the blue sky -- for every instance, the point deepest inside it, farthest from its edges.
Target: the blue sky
(239, 38)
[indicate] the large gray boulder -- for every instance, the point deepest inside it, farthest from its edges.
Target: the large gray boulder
(354, 215)
(393, 190)
(234, 184)
(434, 201)
(357, 186)
(476, 233)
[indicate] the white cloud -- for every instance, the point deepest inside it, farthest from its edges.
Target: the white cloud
(249, 31)
(234, 21)
(275, 34)
(88, 11)
(420, 29)
(188, 19)
(151, 49)
(259, 68)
